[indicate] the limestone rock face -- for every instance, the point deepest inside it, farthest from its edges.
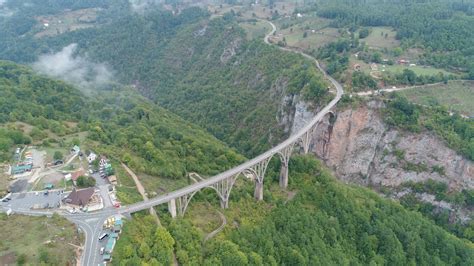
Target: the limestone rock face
(361, 149)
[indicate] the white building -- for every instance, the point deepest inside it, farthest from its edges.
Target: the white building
(92, 156)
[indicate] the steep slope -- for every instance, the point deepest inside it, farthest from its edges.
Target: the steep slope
(420, 163)
(326, 223)
(364, 149)
(119, 123)
(205, 71)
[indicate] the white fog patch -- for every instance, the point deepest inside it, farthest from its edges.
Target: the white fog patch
(73, 69)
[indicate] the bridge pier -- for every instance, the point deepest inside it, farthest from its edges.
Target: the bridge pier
(258, 190)
(284, 175)
(285, 155)
(224, 203)
(172, 208)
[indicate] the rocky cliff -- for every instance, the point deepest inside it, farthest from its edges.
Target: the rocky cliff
(361, 149)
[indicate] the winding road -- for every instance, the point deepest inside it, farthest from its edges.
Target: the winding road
(91, 223)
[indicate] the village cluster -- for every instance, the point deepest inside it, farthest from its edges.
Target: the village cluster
(84, 181)
(78, 182)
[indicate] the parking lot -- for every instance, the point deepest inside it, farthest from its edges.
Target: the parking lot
(31, 200)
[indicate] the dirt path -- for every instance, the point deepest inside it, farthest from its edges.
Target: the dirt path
(141, 190)
(215, 232)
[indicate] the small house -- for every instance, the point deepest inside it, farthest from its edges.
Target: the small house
(76, 149)
(91, 157)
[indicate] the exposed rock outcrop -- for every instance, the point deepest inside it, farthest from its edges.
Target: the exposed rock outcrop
(363, 150)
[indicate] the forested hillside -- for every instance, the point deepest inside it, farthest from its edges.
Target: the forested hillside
(204, 70)
(119, 123)
(443, 28)
(326, 223)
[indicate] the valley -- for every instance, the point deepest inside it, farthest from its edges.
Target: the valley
(344, 135)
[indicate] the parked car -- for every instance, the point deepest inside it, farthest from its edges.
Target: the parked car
(101, 251)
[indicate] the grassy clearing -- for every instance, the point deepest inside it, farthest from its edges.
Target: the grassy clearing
(66, 21)
(317, 32)
(377, 39)
(255, 30)
(313, 40)
(37, 239)
(204, 216)
(456, 95)
(157, 185)
(127, 192)
(419, 70)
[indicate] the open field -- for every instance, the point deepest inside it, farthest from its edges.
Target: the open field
(396, 68)
(254, 10)
(66, 21)
(204, 215)
(456, 95)
(419, 70)
(37, 239)
(377, 39)
(306, 33)
(255, 30)
(127, 192)
(159, 185)
(313, 40)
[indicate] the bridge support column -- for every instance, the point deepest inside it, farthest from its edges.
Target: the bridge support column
(285, 155)
(284, 175)
(258, 190)
(172, 207)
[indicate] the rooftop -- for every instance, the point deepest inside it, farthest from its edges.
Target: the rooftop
(79, 197)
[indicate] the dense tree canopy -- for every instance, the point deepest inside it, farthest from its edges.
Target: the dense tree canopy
(443, 27)
(326, 223)
(126, 125)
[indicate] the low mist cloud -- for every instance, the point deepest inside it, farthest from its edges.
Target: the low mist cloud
(74, 69)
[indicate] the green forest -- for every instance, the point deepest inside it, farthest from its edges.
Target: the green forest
(203, 70)
(441, 27)
(326, 223)
(120, 122)
(455, 130)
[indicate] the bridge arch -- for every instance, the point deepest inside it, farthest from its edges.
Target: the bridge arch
(222, 188)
